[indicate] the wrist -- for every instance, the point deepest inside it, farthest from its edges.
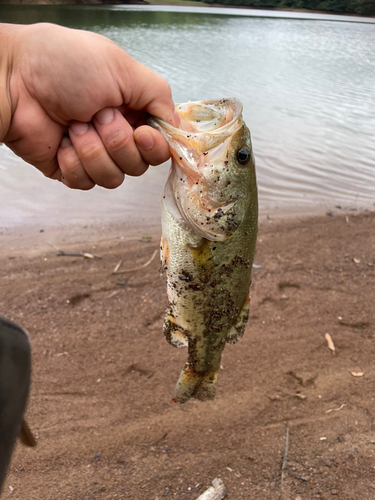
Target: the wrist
(5, 71)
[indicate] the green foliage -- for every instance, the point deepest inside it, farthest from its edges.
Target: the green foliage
(360, 7)
(366, 7)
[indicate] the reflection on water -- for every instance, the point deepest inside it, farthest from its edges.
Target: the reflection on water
(308, 89)
(88, 16)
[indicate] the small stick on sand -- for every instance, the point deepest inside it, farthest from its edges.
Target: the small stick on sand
(81, 254)
(61, 253)
(336, 409)
(154, 443)
(285, 459)
(215, 492)
(116, 271)
(117, 267)
(331, 345)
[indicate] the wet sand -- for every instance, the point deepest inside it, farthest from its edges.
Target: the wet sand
(103, 373)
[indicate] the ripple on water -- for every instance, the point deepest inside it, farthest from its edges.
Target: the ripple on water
(308, 93)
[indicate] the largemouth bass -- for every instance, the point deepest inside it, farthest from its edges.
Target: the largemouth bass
(209, 229)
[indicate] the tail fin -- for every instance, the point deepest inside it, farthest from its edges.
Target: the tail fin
(191, 384)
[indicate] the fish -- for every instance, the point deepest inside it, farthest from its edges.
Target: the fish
(209, 230)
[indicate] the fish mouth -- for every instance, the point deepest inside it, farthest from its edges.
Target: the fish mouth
(214, 117)
(204, 125)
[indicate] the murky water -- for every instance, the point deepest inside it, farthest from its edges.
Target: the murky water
(307, 85)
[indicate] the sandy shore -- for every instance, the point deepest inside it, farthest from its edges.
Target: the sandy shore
(103, 374)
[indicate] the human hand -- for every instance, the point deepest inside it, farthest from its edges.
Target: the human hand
(76, 104)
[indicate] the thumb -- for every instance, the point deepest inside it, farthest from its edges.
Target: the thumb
(146, 90)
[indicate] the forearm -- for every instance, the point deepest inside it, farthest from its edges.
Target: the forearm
(7, 34)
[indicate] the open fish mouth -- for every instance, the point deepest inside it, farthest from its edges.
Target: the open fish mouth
(209, 116)
(204, 125)
(203, 188)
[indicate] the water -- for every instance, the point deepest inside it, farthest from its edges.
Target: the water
(307, 85)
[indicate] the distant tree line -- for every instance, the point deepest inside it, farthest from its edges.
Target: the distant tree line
(360, 7)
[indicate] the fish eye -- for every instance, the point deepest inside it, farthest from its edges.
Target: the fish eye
(243, 155)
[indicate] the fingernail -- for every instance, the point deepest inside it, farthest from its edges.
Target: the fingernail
(145, 141)
(65, 142)
(104, 116)
(79, 128)
(176, 119)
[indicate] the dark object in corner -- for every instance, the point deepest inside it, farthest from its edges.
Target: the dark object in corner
(15, 373)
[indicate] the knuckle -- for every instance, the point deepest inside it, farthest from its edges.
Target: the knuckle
(163, 88)
(118, 142)
(166, 88)
(71, 163)
(91, 152)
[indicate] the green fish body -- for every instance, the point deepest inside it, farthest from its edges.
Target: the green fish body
(209, 229)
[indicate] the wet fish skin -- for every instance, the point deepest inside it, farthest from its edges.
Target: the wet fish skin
(209, 228)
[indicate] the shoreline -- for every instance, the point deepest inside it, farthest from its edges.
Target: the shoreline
(38, 238)
(219, 5)
(178, 3)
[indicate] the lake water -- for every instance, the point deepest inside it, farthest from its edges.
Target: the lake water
(307, 85)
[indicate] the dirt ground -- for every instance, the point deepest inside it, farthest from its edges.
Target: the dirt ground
(290, 419)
